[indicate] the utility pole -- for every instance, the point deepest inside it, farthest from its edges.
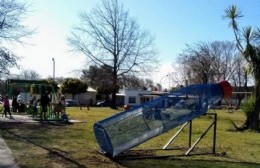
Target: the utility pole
(53, 60)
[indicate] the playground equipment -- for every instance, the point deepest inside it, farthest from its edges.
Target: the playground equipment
(132, 127)
(30, 88)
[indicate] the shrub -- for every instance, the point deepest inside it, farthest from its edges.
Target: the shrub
(248, 106)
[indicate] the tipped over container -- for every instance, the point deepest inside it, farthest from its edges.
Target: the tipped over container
(132, 127)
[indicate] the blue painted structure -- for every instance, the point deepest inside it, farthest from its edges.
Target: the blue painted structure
(132, 127)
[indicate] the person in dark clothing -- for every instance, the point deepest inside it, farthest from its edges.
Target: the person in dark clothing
(45, 101)
(15, 104)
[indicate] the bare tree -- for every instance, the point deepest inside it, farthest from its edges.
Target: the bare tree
(12, 13)
(240, 78)
(109, 36)
(182, 74)
(133, 82)
(198, 61)
(30, 75)
(208, 62)
(7, 61)
(226, 57)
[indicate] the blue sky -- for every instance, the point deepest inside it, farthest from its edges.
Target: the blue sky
(174, 23)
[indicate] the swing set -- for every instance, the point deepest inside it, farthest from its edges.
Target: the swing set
(35, 88)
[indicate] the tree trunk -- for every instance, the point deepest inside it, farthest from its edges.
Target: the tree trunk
(114, 91)
(254, 125)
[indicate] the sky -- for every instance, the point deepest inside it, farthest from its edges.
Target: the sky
(174, 23)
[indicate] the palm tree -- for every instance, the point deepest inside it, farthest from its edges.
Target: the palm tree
(248, 43)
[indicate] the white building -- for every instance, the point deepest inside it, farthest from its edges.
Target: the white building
(134, 97)
(89, 97)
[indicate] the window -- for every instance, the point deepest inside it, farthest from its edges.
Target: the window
(132, 99)
(145, 99)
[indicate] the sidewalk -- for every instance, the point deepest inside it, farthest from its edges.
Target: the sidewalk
(6, 158)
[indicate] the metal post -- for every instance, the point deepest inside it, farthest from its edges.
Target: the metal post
(53, 60)
(175, 135)
(192, 146)
(214, 134)
(190, 133)
(198, 140)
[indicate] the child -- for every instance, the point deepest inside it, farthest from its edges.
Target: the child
(64, 116)
(7, 106)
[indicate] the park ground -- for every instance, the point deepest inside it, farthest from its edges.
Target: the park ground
(56, 144)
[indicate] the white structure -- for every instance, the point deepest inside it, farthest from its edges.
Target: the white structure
(133, 97)
(87, 98)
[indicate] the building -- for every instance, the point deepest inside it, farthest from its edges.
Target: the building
(87, 98)
(132, 97)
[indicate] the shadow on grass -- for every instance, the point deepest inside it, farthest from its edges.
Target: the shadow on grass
(149, 158)
(42, 127)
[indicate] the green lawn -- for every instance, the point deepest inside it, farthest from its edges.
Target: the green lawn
(74, 145)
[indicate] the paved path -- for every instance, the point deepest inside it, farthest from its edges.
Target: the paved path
(26, 118)
(6, 157)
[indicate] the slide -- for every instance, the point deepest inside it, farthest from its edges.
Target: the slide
(132, 127)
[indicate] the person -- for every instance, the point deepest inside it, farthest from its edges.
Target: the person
(21, 105)
(34, 106)
(15, 104)
(60, 108)
(45, 102)
(64, 117)
(7, 106)
(63, 102)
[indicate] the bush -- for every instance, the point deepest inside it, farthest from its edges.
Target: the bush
(248, 106)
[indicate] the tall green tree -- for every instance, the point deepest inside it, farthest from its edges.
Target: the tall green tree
(109, 36)
(248, 43)
(73, 86)
(99, 78)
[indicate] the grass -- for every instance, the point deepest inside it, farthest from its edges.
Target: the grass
(74, 145)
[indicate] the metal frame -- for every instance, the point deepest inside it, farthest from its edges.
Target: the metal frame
(192, 146)
(40, 84)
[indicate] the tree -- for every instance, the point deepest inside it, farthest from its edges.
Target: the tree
(99, 78)
(182, 75)
(12, 12)
(248, 43)
(73, 86)
(240, 78)
(226, 57)
(147, 83)
(208, 62)
(109, 36)
(29, 74)
(133, 82)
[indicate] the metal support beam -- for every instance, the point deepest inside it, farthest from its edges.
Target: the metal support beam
(190, 133)
(198, 140)
(175, 135)
(192, 146)
(214, 133)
